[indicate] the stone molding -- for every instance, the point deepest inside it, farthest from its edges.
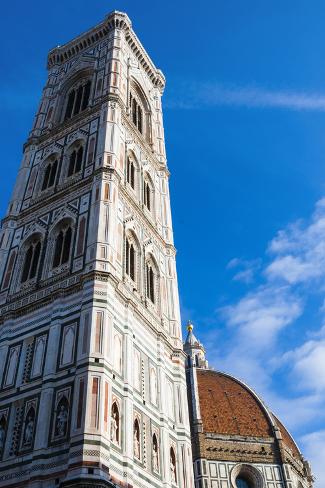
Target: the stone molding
(87, 40)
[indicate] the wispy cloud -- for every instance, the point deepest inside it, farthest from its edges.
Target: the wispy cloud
(286, 280)
(195, 95)
(246, 269)
(260, 315)
(308, 365)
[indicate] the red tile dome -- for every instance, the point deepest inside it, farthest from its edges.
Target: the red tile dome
(229, 407)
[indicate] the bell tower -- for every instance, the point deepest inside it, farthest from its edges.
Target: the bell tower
(93, 388)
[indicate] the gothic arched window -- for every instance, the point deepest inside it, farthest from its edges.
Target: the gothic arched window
(130, 258)
(138, 115)
(62, 246)
(130, 172)
(50, 175)
(32, 257)
(147, 194)
(75, 161)
(139, 119)
(77, 99)
(151, 277)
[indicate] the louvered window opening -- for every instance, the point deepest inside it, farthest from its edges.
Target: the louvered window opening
(130, 259)
(136, 113)
(78, 100)
(150, 276)
(75, 161)
(130, 173)
(49, 175)
(147, 195)
(62, 247)
(32, 257)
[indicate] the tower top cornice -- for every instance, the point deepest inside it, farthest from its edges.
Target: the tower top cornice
(115, 20)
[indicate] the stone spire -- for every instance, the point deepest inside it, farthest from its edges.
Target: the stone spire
(194, 349)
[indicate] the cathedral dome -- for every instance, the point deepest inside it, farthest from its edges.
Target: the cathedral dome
(229, 407)
(237, 441)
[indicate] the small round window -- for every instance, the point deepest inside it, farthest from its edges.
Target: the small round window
(246, 476)
(242, 483)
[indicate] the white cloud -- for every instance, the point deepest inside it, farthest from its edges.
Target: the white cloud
(247, 269)
(262, 314)
(293, 269)
(308, 365)
(299, 250)
(211, 94)
(245, 276)
(290, 379)
(234, 263)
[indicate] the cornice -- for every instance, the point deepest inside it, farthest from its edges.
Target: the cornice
(60, 54)
(65, 287)
(64, 128)
(113, 21)
(46, 205)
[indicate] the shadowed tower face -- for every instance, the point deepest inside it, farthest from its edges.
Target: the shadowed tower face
(93, 386)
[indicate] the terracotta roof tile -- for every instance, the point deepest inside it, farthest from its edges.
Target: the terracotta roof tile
(229, 408)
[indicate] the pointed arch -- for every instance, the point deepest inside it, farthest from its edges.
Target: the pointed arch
(74, 158)
(38, 356)
(62, 238)
(12, 364)
(48, 172)
(152, 279)
(148, 192)
(68, 345)
(140, 110)
(132, 256)
(30, 257)
(76, 94)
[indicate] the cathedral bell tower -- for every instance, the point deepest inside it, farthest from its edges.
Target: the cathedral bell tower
(93, 388)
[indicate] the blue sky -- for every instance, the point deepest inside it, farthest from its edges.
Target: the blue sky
(244, 121)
